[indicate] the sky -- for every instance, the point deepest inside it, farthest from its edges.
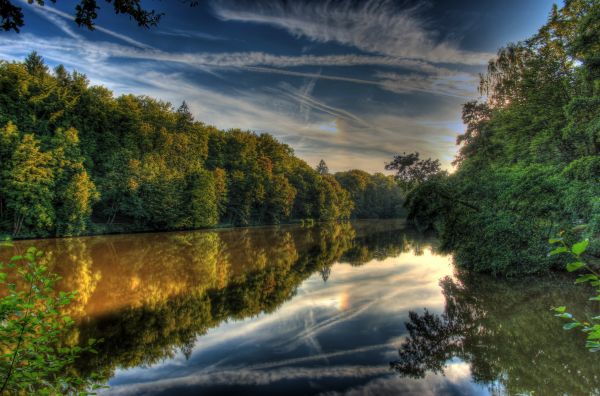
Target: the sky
(351, 82)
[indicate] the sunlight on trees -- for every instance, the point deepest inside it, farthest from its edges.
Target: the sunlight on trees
(75, 160)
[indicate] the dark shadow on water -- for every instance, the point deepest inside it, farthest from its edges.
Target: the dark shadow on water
(505, 331)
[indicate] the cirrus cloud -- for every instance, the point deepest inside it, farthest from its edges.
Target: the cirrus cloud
(373, 26)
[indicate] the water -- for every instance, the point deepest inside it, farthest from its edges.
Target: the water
(321, 310)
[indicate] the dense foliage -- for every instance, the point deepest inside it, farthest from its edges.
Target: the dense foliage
(529, 161)
(34, 355)
(74, 159)
(590, 325)
(376, 196)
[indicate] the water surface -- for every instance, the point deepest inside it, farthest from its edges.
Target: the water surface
(366, 308)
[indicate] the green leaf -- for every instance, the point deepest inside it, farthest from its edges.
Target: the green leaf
(586, 278)
(575, 266)
(580, 247)
(560, 309)
(570, 326)
(594, 336)
(558, 250)
(565, 315)
(554, 240)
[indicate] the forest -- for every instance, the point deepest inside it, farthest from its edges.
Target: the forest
(76, 160)
(528, 167)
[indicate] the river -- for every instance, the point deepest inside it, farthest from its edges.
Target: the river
(363, 308)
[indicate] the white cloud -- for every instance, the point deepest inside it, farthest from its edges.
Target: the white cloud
(319, 130)
(60, 19)
(460, 85)
(351, 141)
(374, 26)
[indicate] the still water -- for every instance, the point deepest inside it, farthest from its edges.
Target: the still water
(366, 308)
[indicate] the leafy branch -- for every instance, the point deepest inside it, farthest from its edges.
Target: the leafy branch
(591, 327)
(34, 358)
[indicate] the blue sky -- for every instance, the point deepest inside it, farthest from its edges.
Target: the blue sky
(352, 82)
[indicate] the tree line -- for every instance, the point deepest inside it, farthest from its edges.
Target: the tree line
(75, 159)
(529, 161)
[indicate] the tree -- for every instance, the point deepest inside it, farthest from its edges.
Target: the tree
(9, 137)
(374, 196)
(203, 200)
(136, 163)
(280, 199)
(411, 171)
(86, 12)
(75, 193)
(35, 64)
(527, 166)
(184, 116)
(322, 168)
(29, 188)
(475, 115)
(79, 195)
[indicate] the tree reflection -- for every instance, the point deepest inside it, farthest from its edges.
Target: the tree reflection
(505, 331)
(149, 296)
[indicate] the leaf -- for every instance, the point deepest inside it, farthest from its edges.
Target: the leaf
(558, 250)
(570, 326)
(555, 240)
(565, 315)
(560, 309)
(580, 247)
(586, 278)
(575, 266)
(594, 336)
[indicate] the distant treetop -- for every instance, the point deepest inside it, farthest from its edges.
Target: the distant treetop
(322, 168)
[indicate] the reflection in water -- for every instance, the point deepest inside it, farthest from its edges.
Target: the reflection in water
(504, 330)
(294, 310)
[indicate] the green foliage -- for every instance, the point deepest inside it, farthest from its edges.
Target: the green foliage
(591, 326)
(34, 359)
(528, 164)
(322, 168)
(76, 160)
(411, 171)
(86, 12)
(375, 196)
(203, 200)
(28, 192)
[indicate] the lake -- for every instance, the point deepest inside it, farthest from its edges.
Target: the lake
(363, 308)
